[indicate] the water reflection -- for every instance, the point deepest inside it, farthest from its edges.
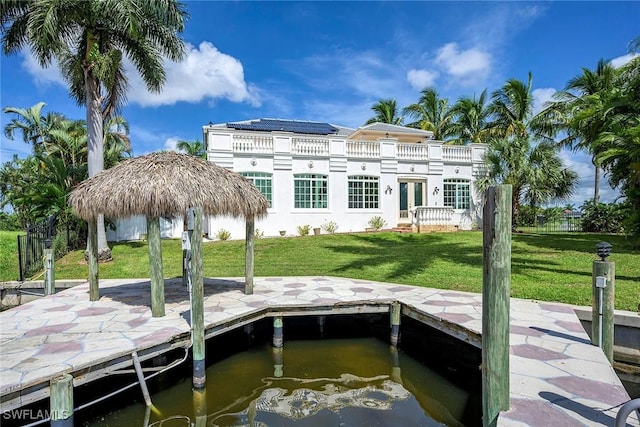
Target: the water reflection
(314, 396)
(355, 382)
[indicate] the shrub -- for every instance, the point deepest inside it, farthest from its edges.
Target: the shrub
(9, 222)
(603, 217)
(223, 234)
(59, 245)
(553, 214)
(527, 216)
(330, 227)
(303, 230)
(377, 222)
(259, 234)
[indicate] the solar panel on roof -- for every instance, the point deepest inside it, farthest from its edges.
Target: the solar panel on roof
(270, 125)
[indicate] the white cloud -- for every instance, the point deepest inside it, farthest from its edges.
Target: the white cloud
(366, 73)
(540, 97)
(580, 162)
(204, 74)
(622, 60)
(420, 79)
(467, 65)
(42, 76)
(171, 143)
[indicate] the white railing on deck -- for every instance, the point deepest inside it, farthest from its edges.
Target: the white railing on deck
(432, 215)
(310, 147)
(363, 149)
(252, 144)
(412, 151)
(456, 154)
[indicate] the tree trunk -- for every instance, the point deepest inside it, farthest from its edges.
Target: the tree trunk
(515, 208)
(95, 149)
(596, 184)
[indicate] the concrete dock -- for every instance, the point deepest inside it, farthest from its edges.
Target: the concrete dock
(556, 376)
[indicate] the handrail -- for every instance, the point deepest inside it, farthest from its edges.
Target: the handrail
(625, 411)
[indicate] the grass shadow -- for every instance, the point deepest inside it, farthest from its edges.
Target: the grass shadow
(404, 254)
(580, 242)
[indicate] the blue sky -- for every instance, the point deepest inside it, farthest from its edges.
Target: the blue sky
(331, 61)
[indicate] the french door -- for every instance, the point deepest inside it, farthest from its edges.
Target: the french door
(411, 193)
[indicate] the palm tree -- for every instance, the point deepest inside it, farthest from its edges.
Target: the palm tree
(535, 171)
(471, 120)
(117, 144)
(89, 39)
(518, 155)
(617, 148)
(386, 112)
(431, 113)
(193, 148)
(511, 108)
(579, 112)
(68, 143)
(33, 125)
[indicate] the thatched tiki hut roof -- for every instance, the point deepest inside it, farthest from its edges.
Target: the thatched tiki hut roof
(167, 185)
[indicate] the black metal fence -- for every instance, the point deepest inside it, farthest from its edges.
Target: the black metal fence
(31, 246)
(565, 223)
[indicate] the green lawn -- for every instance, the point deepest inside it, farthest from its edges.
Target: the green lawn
(549, 267)
(9, 255)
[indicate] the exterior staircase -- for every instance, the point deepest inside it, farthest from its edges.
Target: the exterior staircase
(403, 228)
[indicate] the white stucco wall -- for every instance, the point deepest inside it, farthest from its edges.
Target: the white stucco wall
(282, 162)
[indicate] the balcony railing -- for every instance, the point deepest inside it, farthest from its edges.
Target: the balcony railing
(431, 215)
(412, 151)
(456, 153)
(363, 149)
(323, 147)
(252, 144)
(310, 147)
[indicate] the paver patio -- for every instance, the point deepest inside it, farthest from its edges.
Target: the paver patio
(557, 377)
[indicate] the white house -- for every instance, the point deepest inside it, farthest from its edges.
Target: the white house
(314, 173)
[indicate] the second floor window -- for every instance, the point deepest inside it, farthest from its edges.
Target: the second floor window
(310, 191)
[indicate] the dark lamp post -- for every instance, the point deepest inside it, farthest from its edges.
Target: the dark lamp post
(603, 249)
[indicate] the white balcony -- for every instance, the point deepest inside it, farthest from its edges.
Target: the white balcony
(363, 149)
(310, 147)
(254, 144)
(456, 153)
(354, 149)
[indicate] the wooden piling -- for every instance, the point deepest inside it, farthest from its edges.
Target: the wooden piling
(200, 407)
(396, 372)
(186, 254)
(155, 266)
(321, 321)
(603, 307)
(92, 239)
(278, 362)
(278, 335)
(496, 283)
(61, 401)
(49, 277)
(197, 302)
(394, 312)
(248, 266)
